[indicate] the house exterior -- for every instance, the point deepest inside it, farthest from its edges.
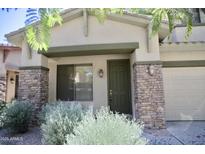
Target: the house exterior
(9, 69)
(117, 64)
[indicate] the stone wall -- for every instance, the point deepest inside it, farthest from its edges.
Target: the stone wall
(33, 87)
(149, 95)
(2, 88)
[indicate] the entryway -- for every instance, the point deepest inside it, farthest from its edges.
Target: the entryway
(119, 87)
(12, 85)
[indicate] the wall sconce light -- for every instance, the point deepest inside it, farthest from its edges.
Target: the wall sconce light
(150, 69)
(12, 80)
(100, 73)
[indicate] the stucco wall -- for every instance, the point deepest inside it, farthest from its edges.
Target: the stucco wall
(184, 55)
(12, 61)
(71, 33)
(178, 34)
(35, 59)
(183, 52)
(2, 67)
(10, 86)
(99, 84)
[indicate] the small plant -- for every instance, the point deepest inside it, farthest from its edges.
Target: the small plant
(106, 128)
(59, 119)
(2, 105)
(17, 116)
(2, 108)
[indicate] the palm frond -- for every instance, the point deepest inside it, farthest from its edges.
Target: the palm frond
(31, 16)
(38, 36)
(102, 13)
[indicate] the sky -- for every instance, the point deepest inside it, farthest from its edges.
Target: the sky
(10, 21)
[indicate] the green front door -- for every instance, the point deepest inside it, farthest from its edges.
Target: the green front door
(119, 91)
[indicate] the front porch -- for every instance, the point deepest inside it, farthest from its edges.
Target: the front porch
(136, 89)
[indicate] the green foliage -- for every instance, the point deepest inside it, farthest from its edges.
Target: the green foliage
(17, 116)
(173, 16)
(59, 120)
(38, 35)
(2, 108)
(106, 128)
(102, 13)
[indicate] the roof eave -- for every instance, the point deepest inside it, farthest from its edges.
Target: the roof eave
(69, 14)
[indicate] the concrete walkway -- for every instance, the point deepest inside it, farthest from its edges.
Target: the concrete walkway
(178, 133)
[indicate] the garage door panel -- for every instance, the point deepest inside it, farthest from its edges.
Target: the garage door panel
(184, 93)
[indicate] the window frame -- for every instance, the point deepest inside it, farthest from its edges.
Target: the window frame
(74, 68)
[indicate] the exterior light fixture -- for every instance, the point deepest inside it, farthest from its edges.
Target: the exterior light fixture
(12, 80)
(150, 69)
(100, 73)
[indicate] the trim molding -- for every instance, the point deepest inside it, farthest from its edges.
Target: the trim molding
(194, 25)
(91, 49)
(191, 63)
(148, 63)
(33, 68)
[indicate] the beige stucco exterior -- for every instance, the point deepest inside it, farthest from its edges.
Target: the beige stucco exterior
(179, 33)
(12, 61)
(10, 92)
(184, 86)
(182, 52)
(9, 67)
(34, 60)
(71, 33)
(100, 89)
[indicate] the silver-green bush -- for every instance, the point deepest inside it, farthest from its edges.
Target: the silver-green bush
(59, 120)
(106, 128)
(17, 116)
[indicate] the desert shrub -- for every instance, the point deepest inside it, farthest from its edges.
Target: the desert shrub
(59, 119)
(106, 128)
(46, 109)
(2, 105)
(17, 116)
(2, 108)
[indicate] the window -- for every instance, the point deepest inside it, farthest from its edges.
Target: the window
(75, 82)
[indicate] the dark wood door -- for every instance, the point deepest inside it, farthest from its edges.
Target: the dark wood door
(119, 89)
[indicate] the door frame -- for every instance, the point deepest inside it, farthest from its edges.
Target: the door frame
(108, 80)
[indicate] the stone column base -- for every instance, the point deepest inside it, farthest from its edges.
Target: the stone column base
(33, 88)
(3, 88)
(149, 94)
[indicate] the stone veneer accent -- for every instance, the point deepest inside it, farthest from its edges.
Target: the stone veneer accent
(2, 88)
(149, 95)
(33, 87)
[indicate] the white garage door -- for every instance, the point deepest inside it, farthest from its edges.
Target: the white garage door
(184, 93)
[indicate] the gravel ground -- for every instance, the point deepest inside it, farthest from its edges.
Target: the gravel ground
(176, 133)
(32, 137)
